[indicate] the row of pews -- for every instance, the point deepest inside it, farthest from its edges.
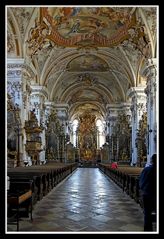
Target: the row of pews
(126, 177)
(27, 185)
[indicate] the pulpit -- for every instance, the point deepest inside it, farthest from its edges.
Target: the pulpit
(33, 143)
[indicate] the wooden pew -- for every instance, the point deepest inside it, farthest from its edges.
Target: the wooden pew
(37, 179)
(126, 177)
(19, 196)
(19, 178)
(44, 177)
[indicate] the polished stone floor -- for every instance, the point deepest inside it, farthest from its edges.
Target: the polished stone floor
(86, 201)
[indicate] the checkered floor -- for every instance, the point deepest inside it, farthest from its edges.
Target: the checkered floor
(86, 201)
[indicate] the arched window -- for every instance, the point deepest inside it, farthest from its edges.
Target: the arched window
(74, 126)
(100, 133)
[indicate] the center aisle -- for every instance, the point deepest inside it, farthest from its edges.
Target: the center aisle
(87, 201)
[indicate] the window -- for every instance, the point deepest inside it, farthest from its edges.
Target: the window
(75, 125)
(100, 133)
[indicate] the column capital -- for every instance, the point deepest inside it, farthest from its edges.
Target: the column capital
(39, 90)
(113, 106)
(49, 108)
(151, 61)
(14, 69)
(112, 110)
(126, 108)
(62, 111)
(61, 106)
(15, 62)
(49, 104)
(135, 91)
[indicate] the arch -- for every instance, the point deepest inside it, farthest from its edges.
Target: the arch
(44, 76)
(31, 23)
(16, 31)
(77, 87)
(98, 109)
(152, 44)
(122, 64)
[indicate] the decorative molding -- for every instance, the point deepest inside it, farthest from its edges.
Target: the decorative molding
(11, 48)
(19, 66)
(18, 62)
(141, 107)
(14, 73)
(14, 88)
(150, 69)
(40, 91)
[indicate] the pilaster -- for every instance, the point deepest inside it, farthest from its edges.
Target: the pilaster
(138, 106)
(150, 73)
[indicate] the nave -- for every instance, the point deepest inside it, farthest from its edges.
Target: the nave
(85, 201)
(82, 91)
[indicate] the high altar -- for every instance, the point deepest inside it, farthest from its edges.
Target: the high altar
(87, 133)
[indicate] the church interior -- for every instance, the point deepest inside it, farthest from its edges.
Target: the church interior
(81, 96)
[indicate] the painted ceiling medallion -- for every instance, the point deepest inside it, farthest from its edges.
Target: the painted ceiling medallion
(87, 63)
(100, 26)
(81, 27)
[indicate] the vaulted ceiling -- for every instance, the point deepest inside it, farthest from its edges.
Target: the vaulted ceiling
(87, 57)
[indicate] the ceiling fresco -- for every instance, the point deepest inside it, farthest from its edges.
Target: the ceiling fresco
(86, 95)
(87, 63)
(105, 21)
(86, 57)
(96, 26)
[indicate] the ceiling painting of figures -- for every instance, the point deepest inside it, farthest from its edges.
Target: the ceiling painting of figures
(87, 63)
